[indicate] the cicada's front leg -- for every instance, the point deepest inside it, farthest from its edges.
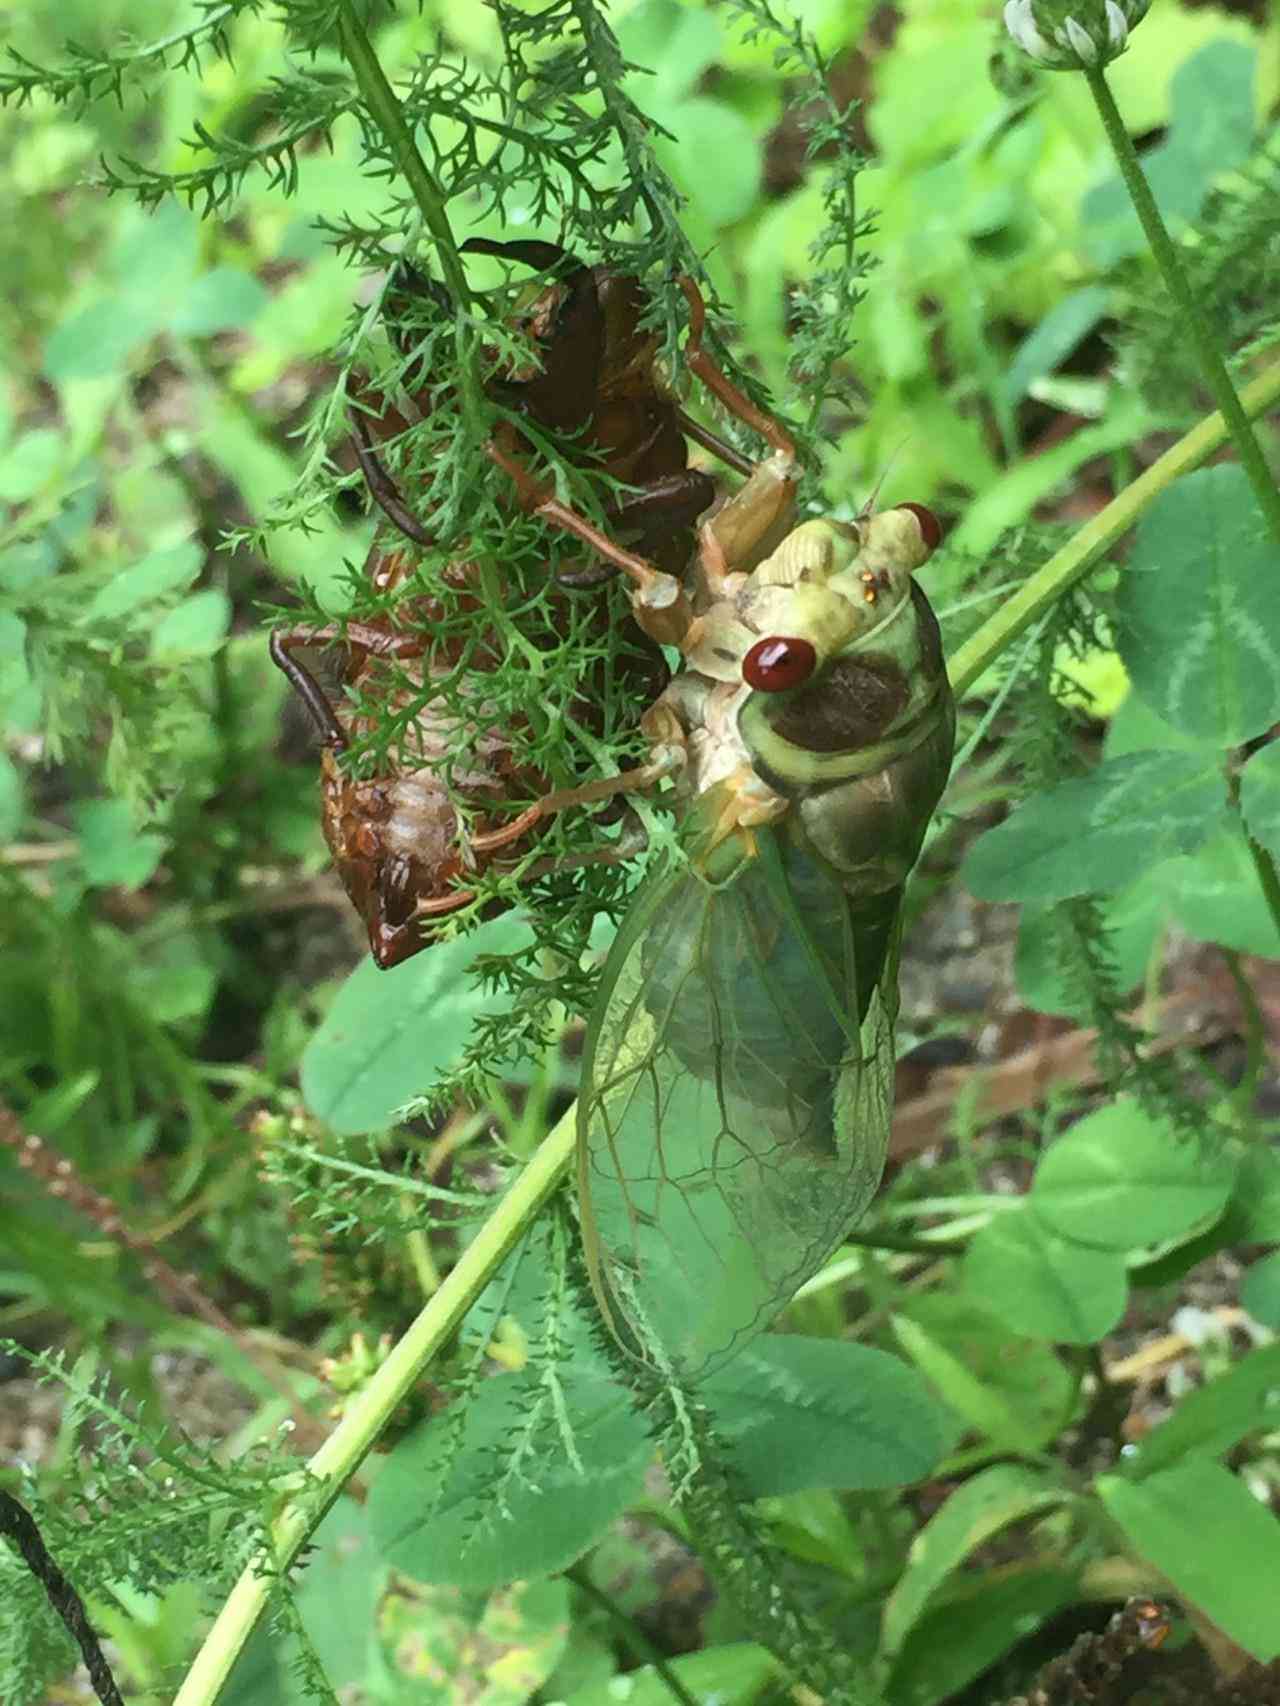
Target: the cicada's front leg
(761, 512)
(660, 603)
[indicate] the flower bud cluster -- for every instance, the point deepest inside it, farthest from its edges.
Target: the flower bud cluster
(1073, 35)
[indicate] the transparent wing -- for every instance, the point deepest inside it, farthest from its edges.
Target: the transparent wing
(736, 1099)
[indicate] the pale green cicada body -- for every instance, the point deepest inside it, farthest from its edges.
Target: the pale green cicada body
(737, 1079)
(736, 1090)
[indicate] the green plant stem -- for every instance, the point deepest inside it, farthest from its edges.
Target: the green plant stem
(1093, 541)
(380, 98)
(1212, 368)
(369, 1412)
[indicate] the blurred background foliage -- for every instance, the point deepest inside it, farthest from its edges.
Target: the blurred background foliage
(172, 934)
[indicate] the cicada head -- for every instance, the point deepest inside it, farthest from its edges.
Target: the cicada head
(843, 654)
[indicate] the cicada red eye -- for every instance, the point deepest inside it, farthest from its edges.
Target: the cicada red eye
(776, 664)
(930, 526)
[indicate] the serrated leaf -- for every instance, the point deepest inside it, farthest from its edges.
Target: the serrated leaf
(503, 1517)
(1198, 622)
(1260, 798)
(801, 1413)
(1214, 1418)
(390, 1034)
(1120, 1180)
(1218, 1546)
(1046, 1286)
(973, 1513)
(1097, 834)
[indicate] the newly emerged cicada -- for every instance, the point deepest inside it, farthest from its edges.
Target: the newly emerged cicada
(737, 1077)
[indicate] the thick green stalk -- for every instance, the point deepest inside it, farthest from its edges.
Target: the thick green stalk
(380, 98)
(1212, 368)
(344, 1450)
(1093, 541)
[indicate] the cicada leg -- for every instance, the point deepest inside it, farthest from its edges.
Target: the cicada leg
(660, 603)
(282, 642)
(383, 489)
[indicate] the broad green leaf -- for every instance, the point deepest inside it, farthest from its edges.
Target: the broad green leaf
(707, 130)
(113, 853)
(674, 44)
(390, 1034)
(1046, 1286)
(439, 1646)
(1055, 337)
(30, 463)
(1215, 895)
(195, 628)
(1011, 1388)
(1214, 1418)
(513, 1503)
(801, 1413)
(218, 301)
(1135, 727)
(959, 1637)
(974, 1512)
(1218, 1546)
(1099, 833)
(1260, 798)
(1198, 622)
(1260, 1291)
(338, 1591)
(158, 573)
(733, 1675)
(97, 340)
(1121, 1181)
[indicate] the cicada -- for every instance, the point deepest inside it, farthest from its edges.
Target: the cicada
(737, 1076)
(396, 836)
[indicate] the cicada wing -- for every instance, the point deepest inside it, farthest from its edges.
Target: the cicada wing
(735, 1109)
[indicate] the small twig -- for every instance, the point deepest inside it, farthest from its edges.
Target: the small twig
(18, 1525)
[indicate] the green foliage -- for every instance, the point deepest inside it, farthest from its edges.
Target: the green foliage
(946, 290)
